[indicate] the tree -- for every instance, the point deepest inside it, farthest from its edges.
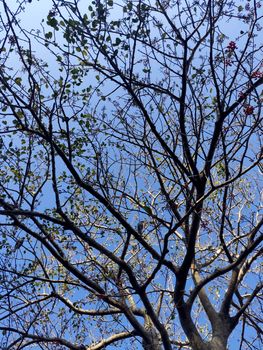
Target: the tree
(131, 154)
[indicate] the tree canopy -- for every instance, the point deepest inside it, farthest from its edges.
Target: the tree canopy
(130, 178)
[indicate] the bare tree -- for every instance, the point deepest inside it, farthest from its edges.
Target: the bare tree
(131, 155)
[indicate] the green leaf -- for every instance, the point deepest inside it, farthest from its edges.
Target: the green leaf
(117, 42)
(18, 81)
(129, 6)
(48, 35)
(52, 22)
(147, 209)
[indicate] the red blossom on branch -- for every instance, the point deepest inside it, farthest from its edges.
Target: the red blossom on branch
(242, 94)
(248, 110)
(257, 74)
(228, 62)
(232, 46)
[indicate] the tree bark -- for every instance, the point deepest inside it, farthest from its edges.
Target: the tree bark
(218, 343)
(153, 341)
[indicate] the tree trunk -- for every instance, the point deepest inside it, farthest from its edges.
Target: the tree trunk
(218, 343)
(153, 341)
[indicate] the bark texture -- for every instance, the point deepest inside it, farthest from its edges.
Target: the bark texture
(153, 340)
